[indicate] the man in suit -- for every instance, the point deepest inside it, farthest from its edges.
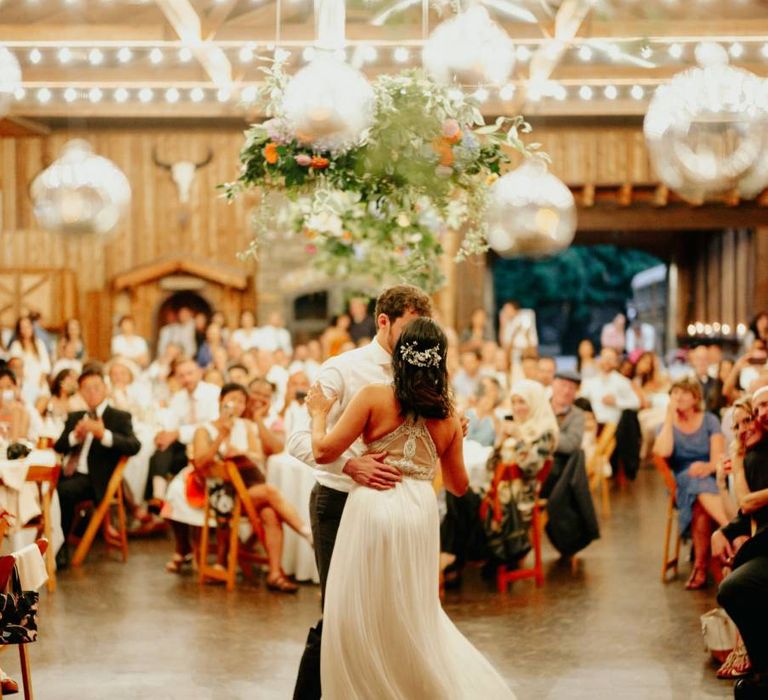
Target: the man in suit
(711, 387)
(93, 441)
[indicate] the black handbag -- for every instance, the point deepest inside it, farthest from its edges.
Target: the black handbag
(18, 613)
(506, 533)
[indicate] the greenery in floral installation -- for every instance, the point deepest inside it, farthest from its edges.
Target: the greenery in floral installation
(379, 208)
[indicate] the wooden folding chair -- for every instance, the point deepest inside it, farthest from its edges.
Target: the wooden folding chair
(6, 568)
(538, 519)
(606, 444)
(40, 476)
(229, 473)
(669, 561)
(113, 496)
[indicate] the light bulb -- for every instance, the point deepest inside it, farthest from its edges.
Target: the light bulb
(401, 54)
(637, 92)
(95, 57)
(736, 50)
(43, 95)
(249, 94)
(197, 94)
(223, 95)
(146, 95)
(185, 55)
(64, 55)
(172, 95)
(308, 53)
(95, 94)
(507, 92)
(124, 55)
(245, 54)
(20, 93)
(70, 94)
(585, 53)
(611, 92)
(675, 50)
(481, 94)
(585, 92)
(523, 53)
(121, 95)
(35, 56)
(156, 56)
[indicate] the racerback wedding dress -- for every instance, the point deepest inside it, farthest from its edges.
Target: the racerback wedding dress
(385, 634)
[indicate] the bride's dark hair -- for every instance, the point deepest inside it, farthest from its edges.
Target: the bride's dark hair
(420, 373)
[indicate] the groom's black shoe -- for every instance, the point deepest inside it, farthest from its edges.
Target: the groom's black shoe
(751, 688)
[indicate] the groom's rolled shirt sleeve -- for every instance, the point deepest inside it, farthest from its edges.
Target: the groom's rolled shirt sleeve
(299, 443)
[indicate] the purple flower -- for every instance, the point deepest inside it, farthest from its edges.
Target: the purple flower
(276, 130)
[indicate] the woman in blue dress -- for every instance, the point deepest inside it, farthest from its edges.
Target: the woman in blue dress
(691, 440)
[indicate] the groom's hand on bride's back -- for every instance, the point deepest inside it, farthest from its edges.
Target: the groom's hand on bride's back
(370, 470)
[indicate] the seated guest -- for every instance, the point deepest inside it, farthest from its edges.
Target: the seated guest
(586, 365)
(609, 392)
(237, 374)
(14, 416)
(261, 411)
(589, 440)
(212, 342)
(691, 440)
(467, 379)
(478, 332)
(195, 403)
(54, 409)
(274, 335)
(247, 336)
(547, 368)
(34, 355)
(483, 422)
(570, 421)
(214, 376)
(302, 362)
(362, 323)
(67, 358)
(293, 414)
(73, 333)
(336, 335)
(742, 592)
(127, 343)
(93, 442)
(652, 388)
(230, 436)
(530, 439)
(711, 387)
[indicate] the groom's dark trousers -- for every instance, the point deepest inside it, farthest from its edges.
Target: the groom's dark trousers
(325, 508)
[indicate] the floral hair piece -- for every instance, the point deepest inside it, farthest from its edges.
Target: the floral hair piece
(420, 358)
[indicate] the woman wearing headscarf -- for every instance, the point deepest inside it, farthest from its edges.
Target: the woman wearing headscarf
(531, 437)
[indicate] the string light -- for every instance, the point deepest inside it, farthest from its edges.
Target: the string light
(481, 94)
(35, 56)
(156, 56)
(249, 94)
(172, 95)
(401, 54)
(507, 92)
(223, 95)
(585, 92)
(185, 55)
(20, 93)
(523, 53)
(675, 50)
(369, 53)
(736, 50)
(611, 92)
(560, 93)
(637, 92)
(764, 51)
(245, 54)
(146, 95)
(124, 55)
(43, 95)
(308, 53)
(646, 51)
(95, 94)
(64, 55)
(121, 95)
(585, 53)
(95, 57)
(70, 95)
(197, 94)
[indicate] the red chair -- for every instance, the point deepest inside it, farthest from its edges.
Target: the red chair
(507, 472)
(669, 562)
(6, 567)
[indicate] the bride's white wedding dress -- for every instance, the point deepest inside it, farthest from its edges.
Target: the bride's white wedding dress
(385, 634)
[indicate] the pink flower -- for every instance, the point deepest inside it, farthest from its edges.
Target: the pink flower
(310, 249)
(276, 130)
(452, 130)
(303, 159)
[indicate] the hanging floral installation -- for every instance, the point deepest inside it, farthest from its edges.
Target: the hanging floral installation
(378, 206)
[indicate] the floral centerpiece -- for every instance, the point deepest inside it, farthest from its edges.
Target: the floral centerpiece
(379, 208)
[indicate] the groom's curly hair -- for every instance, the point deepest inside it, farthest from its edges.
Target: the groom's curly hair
(397, 300)
(422, 390)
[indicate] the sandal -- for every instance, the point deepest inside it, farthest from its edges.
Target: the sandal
(8, 685)
(177, 562)
(697, 580)
(282, 584)
(737, 664)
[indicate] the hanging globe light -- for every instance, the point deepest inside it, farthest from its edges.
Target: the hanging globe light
(80, 193)
(707, 128)
(328, 105)
(469, 49)
(530, 212)
(10, 79)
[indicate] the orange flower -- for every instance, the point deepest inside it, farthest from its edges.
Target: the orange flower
(270, 153)
(347, 236)
(442, 147)
(319, 163)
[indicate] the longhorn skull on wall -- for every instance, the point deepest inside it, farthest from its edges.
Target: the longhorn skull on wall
(183, 172)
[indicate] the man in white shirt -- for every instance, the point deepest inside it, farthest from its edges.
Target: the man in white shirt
(343, 376)
(180, 332)
(197, 402)
(609, 392)
(274, 336)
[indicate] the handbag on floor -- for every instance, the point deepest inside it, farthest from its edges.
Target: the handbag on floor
(719, 633)
(18, 613)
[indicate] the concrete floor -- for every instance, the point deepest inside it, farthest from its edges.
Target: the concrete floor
(611, 630)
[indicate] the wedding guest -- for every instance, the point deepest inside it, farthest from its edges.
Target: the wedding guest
(180, 330)
(517, 328)
(478, 332)
(247, 336)
(72, 334)
(530, 439)
(127, 343)
(201, 324)
(274, 335)
(231, 436)
(93, 442)
(652, 388)
(467, 379)
(125, 392)
(586, 365)
(196, 402)
(220, 320)
(612, 335)
(14, 416)
(37, 363)
(546, 370)
(483, 422)
(214, 376)
(529, 365)
(293, 414)
(210, 344)
(570, 422)
(302, 362)
(336, 335)
(237, 374)
(67, 358)
(758, 330)
(692, 441)
(609, 392)
(261, 411)
(53, 409)
(362, 324)
(711, 387)
(746, 369)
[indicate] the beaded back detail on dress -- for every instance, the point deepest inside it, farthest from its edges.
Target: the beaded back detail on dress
(410, 449)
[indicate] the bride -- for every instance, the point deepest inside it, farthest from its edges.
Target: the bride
(385, 634)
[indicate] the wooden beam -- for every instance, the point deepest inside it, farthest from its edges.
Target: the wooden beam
(216, 18)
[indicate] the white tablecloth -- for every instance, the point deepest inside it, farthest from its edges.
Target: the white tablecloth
(295, 481)
(475, 460)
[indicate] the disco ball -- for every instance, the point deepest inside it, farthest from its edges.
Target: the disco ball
(708, 127)
(328, 104)
(530, 212)
(469, 49)
(80, 193)
(10, 79)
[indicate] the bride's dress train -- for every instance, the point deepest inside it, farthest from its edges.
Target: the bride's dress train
(385, 634)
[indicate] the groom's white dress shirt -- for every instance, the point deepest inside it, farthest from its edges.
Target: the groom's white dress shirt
(343, 376)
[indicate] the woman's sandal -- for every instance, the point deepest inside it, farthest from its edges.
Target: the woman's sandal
(697, 580)
(737, 664)
(177, 562)
(282, 584)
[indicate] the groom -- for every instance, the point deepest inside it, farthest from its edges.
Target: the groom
(343, 376)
